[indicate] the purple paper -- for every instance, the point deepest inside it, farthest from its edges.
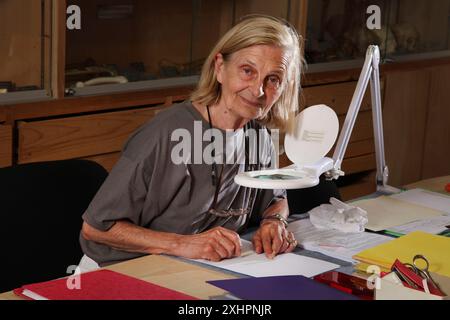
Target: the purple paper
(281, 288)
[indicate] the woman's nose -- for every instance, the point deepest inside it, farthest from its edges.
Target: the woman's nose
(257, 88)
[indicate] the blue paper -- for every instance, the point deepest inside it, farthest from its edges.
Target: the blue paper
(281, 288)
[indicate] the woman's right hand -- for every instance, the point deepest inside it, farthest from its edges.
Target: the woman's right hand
(214, 245)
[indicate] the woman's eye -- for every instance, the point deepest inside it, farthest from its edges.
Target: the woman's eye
(274, 80)
(247, 71)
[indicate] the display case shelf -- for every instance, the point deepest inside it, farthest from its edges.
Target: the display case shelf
(145, 44)
(337, 34)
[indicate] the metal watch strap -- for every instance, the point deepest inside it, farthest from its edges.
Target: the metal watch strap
(278, 217)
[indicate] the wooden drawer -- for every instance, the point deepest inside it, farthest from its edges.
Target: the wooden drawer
(79, 137)
(6, 146)
(363, 128)
(359, 164)
(336, 96)
(365, 185)
(357, 148)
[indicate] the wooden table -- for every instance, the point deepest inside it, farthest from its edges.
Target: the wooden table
(435, 184)
(190, 278)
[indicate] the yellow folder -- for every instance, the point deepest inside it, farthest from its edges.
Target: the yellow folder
(435, 248)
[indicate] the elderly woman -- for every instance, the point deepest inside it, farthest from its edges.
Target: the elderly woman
(152, 203)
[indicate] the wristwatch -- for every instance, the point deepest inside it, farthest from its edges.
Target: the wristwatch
(278, 217)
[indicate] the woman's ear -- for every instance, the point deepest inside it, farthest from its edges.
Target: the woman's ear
(218, 67)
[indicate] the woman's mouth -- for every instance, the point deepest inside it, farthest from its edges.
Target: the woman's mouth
(255, 104)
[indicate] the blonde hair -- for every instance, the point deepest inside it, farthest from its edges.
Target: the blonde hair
(257, 30)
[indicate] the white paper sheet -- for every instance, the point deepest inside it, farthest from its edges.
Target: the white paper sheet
(386, 212)
(334, 243)
(258, 265)
(425, 198)
(433, 225)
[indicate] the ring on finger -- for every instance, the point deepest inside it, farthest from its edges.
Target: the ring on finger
(291, 240)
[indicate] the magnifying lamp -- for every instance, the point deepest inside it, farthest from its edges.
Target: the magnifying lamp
(314, 133)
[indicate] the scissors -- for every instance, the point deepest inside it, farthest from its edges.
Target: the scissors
(424, 274)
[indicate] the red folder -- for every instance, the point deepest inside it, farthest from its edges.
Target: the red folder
(100, 285)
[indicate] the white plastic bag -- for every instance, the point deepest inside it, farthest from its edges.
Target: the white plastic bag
(339, 216)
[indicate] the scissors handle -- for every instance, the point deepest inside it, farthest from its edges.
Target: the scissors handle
(424, 273)
(422, 258)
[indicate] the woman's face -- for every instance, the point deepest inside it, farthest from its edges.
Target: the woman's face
(252, 80)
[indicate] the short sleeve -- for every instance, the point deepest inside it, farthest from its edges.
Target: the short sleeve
(121, 197)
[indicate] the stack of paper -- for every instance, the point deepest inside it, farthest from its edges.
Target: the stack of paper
(428, 199)
(333, 243)
(436, 249)
(425, 198)
(387, 212)
(258, 265)
(409, 211)
(434, 225)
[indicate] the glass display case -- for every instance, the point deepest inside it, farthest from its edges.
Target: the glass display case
(419, 27)
(133, 44)
(130, 45)
(25, 42)
(125, 46)
(410, 29)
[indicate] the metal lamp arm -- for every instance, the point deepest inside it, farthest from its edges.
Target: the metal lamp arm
(370, 72)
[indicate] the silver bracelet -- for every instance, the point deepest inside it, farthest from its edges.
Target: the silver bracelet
(278, 217)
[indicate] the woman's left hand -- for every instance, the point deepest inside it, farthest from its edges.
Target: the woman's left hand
(273, 238)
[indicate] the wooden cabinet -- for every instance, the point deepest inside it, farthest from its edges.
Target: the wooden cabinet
(404, 119)
(92, 128)
(436, 161)
(416, 116)
(99, 137)
(80, 136)
(6, 145)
